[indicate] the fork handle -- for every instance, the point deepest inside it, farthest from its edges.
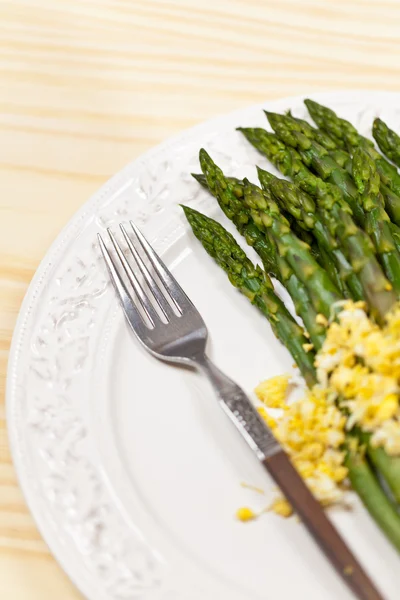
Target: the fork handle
(240, 410)
(320, 527)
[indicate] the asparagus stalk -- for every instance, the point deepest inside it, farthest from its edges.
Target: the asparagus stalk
(289, 162)
(332, 220)
(391, 199)
(325, 260)
(238, 191)
(357, 246)
(344, 132)
(278, 267)
(377, 223)
(286, 159)
(388, 467)
(228, 191)
(304, 211)
(343, 158)
(267, 217)
(315, 155)
(366, 485)
(387, 140)
(392, 205)
(255, 285)
(318, 135)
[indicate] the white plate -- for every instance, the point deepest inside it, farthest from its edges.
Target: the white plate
(128, 466)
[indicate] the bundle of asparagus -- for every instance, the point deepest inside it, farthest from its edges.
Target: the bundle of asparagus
(331, 237)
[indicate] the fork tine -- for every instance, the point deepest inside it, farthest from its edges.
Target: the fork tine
(155, 290)
(131, 312)
(173, 288)
(140, 293)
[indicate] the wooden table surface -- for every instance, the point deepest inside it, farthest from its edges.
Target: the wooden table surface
(88, 85)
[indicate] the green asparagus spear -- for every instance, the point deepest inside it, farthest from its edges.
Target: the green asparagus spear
(238, 191)
(289, 162)
(268, 218)
(343, 131)
(334, 228)
(392, 205)
(236, 184)
(316, 156)
(395, 229)
(304, 211)
(318, 135)
(326, 261)
(343, 159)
(337, 217)
(387, 140)
(255, 285)
(371, 494)
(227, 191)
(377, 220)
(387, 466)
(201, 179)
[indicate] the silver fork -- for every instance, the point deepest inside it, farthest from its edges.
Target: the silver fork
(180, 337)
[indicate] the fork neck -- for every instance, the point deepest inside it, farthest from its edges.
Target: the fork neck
(221, 382)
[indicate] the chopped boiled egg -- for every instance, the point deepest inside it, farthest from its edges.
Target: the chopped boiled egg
(358, 373)
(311, 430)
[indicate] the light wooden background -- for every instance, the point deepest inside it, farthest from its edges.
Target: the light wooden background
(87, 85)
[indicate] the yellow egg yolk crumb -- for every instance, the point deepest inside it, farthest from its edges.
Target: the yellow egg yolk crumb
(245, 514)
(281, 507)
(321, 320)
(273, 391)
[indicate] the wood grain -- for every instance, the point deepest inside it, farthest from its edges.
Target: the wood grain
(87, 85)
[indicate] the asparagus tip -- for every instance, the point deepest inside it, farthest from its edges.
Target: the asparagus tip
(200, 178)
(378, 123)
(203, 153)
(309, 102)
(189, 212)
(206, 162)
